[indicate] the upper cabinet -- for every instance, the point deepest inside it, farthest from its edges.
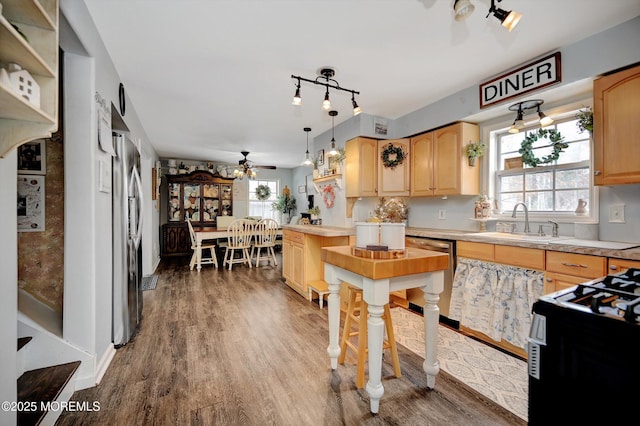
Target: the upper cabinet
(393, 177)
(439, 165)
(361, 168)
(33, 46)
(616, 128)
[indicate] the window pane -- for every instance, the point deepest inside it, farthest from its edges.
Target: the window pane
(543, 180)
(575, 152)
(577, 178)
(540, 201)
(567, 201)
(511, 183)
(507, 201)
(511, 142)
(569, 130)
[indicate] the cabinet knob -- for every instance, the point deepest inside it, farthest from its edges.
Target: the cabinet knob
(549, 280)
(613, 267)
(597, 172)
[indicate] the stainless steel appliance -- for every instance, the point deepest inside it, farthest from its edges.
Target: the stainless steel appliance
(127, 235)
(415, 296)
(584, 352)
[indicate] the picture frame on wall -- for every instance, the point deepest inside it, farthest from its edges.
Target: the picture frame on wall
(32, 158)
(321, 157)
(31, 203)
(302, 189)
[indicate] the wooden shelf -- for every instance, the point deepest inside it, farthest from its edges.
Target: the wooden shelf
(17, 50)
(331, 178)
(29, 12)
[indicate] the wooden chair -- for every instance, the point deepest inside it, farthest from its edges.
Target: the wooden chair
(357, 314)
(204, 260)
(266, 232)
(239, 237)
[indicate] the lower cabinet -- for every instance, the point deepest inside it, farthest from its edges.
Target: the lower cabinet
(617, 266)
(175, 240)
(565, 270)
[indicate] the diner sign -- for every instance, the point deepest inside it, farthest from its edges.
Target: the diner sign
(527, 78)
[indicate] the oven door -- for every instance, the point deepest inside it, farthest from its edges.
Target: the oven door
(582, 366)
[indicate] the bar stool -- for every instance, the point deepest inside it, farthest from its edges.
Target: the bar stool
(357, 312)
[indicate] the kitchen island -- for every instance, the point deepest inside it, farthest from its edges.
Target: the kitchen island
(301, 258)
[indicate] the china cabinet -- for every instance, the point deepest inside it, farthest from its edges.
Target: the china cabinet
(199, 196)
(37, 53)
(616, 156)
(439, 165)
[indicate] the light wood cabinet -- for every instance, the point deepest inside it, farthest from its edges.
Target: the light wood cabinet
(301, 258)
(394, 182)
(20, 120)
(617, 266)
(439, 165)
(565, 270)
(616, 128)
(554, 281)
(361, 168)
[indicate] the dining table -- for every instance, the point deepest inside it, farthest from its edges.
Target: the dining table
(414, 268)
(211, 233)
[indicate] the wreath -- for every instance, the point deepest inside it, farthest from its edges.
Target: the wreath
(328, 196)
(392, 156)
(263, 192)
(527, 153)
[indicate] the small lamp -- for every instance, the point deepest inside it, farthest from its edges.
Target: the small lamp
(307, 159)
(333, 151)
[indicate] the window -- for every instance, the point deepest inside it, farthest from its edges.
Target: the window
(552, 188)
(263, 208)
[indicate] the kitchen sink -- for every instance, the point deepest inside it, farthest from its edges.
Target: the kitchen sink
(517, 236)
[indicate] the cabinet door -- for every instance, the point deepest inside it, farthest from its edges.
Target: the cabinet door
(556, 282)
(298, 266)
(422, 165)
(617, 266)
(393, 181)
(287, 261)
(174, 209)
(616, 128)
(446, 158)
(191, 201)
(210, 203)
(361, 167)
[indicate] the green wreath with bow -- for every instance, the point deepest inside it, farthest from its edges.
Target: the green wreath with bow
(392, 156)
(526, 150)
(263, 192)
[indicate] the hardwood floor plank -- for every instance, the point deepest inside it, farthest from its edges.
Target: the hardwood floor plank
(240, 347)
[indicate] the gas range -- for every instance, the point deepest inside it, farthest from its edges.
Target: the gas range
(615, 296)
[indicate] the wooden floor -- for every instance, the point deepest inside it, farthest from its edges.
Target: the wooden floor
(240, 347)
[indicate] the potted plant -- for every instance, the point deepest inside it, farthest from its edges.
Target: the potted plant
(314, 212)
(338, 159)
(585, 120)
(475, 150)
(285, 205)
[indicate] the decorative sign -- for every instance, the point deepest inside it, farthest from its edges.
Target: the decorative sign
(533, 76)
(31, 203)
(104, 125)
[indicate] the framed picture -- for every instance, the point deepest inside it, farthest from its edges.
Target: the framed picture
(30, 203)
(321, 157)
(513, 163)
(302, 189)
(32, 158)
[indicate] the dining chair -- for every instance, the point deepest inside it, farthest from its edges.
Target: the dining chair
(211, 259)
(265, 234)
(239, 235)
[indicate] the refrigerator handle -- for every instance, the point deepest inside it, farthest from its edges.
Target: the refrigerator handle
(136, 220)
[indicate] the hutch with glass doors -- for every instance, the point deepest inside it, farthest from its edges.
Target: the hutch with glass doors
(200, 196)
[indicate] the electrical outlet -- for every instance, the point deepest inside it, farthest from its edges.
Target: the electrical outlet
(616, 213)
(442, 214)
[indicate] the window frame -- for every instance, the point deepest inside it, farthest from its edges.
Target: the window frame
(270, 214)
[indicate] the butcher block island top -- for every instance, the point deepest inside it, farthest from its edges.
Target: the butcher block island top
(414, 261)
(322, 230)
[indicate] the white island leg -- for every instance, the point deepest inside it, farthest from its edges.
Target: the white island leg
(334, 320)
(375, 335)
(432, 292)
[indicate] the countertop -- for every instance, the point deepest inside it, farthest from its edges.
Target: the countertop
(452, 234)
(631, 254)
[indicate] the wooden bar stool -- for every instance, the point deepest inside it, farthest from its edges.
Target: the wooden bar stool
(357, 313)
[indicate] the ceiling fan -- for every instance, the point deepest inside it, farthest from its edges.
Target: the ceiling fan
(245, 167)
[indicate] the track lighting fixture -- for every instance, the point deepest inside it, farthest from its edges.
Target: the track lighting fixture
(508, 19)
(327, 75)
(462, 9)
(333, 151)
(521, 107)
(307, 158)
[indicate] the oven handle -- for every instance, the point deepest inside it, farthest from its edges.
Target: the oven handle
(428, 243)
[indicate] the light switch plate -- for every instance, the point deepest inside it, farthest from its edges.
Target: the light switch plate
(616, 213)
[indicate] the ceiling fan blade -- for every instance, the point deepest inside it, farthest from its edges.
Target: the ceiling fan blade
(264, 167)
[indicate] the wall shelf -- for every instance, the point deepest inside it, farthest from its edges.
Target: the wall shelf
(337, 178)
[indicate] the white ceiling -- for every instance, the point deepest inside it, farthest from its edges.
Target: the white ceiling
(210, 78)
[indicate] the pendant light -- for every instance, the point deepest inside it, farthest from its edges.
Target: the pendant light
(307, 158)
(333, 151)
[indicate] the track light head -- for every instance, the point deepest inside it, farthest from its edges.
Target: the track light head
(544, 120)
(462, 9)
(297, 99)
(508, 19)
(326, 104)
(356, 108)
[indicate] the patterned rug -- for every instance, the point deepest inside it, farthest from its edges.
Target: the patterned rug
(149, 282)
(496, 375)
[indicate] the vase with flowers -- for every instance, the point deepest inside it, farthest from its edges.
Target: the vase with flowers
(473, 151)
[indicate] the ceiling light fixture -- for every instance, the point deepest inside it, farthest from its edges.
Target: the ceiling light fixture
(508, 19)
(307, 158)
(462, 9)
(327, 75)
(521, 107)
(333, 151)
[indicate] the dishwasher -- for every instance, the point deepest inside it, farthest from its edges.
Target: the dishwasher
(415, 296)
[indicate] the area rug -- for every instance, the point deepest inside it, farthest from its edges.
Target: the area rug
(149, 282)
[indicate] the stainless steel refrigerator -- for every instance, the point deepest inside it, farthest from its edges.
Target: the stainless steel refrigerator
(127, 236)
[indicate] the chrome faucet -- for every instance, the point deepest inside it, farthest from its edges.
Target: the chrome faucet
(554, 229)
(526, 216)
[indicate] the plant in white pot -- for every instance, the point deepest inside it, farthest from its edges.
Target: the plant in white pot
(473, 151)
(314, 212)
